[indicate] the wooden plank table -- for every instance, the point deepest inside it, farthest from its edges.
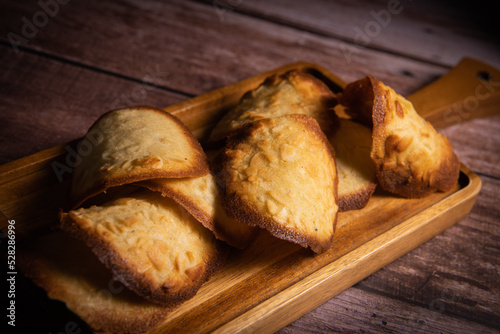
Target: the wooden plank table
(64, 63)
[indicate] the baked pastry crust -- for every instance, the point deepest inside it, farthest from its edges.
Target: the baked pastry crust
(133, 144)
(412, 159)
(279, 174)
(200, 197)
(68, 271)
(294, 92)
(150, 244)
(352, 142)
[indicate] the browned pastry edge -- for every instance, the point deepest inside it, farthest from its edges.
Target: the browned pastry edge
(210, 223)
(241, 211)
(357, 200)
(413, 187)
(182, 200)
(126, 274)
(371, 111)
(328, 99)
(409, 186)
(32, 266)
(200, 168)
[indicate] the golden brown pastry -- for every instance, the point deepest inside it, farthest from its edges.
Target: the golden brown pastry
(199, 196)
(412, 159)
(69, 272)
(150, 244)
(279, 174)
(133, 144)
(352, 142)
(294, 92)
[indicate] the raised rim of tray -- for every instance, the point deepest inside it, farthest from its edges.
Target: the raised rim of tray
(289, 303)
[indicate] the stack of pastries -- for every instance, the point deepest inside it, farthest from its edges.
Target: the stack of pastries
(154, 216)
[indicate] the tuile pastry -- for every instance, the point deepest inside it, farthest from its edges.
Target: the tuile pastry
(133, 144)
(356, 171)
(150, 244)
(199, 196)
(294, 92)
(68, 271)
(279, 174)
(412, 159)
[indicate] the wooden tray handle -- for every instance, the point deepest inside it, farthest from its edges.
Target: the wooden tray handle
(469, 90)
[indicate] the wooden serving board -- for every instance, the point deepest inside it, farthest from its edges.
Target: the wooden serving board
(273, 282)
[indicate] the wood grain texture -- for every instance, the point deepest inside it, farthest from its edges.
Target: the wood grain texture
(270, 315)
(91, 53)
(431, 275)
(45, 102)
(161, 66)
(173, 34)
(365, 240)
(360, 311)
(477, 144)
(469, 90)
(443, 276)
(439, 287)
(404, 30)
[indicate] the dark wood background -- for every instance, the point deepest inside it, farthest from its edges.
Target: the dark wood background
(65, 63)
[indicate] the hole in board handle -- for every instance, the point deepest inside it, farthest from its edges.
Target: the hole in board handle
(484, 75)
